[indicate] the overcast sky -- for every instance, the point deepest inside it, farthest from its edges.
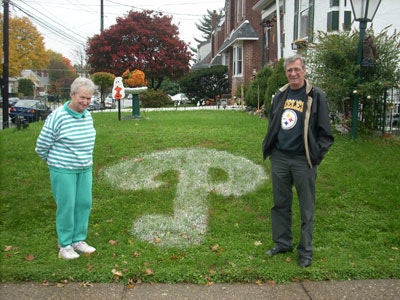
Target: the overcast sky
(66, 24)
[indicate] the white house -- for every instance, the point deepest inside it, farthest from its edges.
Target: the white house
(301, 19)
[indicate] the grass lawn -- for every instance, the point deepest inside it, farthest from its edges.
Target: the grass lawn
(184, 196)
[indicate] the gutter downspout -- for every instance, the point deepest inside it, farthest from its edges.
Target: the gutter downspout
(278, 29)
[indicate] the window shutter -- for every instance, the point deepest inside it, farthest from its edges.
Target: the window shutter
(333, 20)
(296, 20)
(347, 20)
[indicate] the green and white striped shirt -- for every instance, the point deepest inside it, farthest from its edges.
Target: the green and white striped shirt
(67, 139)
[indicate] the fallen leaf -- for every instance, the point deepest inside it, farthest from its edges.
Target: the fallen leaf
(259, 282)
(112, 242)
(215, 248)
(86, 284)
(209, 283)
(131, 283)
(174, 257)
(136, 254)
(116, 273)
(157, 240)
(149, 271)
(257, 243)
(29, 257)
(7, 248)
(271, 282)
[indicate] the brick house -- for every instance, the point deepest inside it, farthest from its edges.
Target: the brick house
(236, 43)
(251, 35)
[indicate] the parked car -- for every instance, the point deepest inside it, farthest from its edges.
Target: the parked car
(179, 97)
(11, 101)
(109, 102)
(94, 105)
(29, 110)
(394, 118)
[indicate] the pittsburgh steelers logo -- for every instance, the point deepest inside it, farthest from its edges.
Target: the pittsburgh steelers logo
(289, 119)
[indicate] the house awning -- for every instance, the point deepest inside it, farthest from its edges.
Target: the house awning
(245, 32)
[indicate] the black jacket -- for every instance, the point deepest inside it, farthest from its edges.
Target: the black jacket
(317, 134)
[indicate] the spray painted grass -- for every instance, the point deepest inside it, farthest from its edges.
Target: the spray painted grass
(188, 224)
(357, 233)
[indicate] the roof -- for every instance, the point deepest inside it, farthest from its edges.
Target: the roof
(244, 32)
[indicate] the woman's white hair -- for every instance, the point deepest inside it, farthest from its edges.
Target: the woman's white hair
(82, 83)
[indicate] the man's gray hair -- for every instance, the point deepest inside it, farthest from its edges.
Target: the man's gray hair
(292, 59)
(82, 83)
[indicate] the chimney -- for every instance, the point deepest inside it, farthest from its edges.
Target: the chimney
(214, 20)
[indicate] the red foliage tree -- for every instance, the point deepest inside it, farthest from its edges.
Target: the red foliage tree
(146, 41)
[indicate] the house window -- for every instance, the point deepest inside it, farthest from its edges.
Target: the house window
(239, 10)
(224, 59)
(333, 20)
(237, 60)
(303, 19)
(334, 3)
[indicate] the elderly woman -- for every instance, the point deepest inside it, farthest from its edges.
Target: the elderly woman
(66, 144)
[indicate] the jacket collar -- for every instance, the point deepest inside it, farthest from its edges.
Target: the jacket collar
(308, 87)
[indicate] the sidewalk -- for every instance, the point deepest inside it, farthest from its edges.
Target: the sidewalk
(386, 289)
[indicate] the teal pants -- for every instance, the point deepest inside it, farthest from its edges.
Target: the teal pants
(72, 193)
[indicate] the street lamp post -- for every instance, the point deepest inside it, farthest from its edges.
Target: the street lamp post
(364, 12)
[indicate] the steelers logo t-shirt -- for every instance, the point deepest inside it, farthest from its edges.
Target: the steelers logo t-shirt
(290, 136)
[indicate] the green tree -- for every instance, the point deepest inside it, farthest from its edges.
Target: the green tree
(25, 87)
(205, 83)
(332, 64)
(205, 24)
(255, 93)
(104, 81)
(275, 81)
(170, 87)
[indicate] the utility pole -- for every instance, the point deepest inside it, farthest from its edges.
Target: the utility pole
(101, 16)
(5, 63)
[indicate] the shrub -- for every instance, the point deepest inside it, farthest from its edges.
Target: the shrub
(275, 81)
(255, 94)
(153, 98)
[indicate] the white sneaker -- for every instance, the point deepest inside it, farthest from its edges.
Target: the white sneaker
(67, 253)
(83, 247)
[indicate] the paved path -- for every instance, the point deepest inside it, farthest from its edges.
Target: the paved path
(387, 289)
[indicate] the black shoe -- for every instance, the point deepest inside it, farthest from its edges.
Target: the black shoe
(277, 250)
(305, 262)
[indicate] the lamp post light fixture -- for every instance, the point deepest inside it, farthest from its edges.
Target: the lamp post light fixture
(364, 12)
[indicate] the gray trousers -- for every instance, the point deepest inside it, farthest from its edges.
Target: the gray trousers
(288, 170)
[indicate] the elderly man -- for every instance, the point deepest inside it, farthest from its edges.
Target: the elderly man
(299, 135)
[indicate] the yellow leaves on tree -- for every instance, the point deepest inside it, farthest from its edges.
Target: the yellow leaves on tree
(136, 78)
(26, 46)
